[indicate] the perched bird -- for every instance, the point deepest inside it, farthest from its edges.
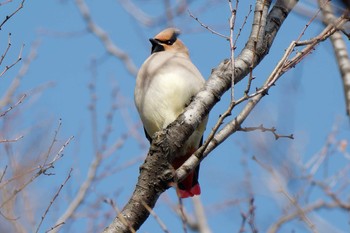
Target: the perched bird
(165, 84)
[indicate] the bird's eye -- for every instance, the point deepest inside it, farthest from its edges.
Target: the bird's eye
(167, 42)
(170, 42)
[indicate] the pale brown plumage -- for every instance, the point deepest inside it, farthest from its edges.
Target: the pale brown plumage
(165, 85)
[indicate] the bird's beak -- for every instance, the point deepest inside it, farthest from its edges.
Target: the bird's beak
(153, 42)
(156, 46)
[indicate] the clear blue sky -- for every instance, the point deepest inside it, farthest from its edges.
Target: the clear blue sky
(308, 101)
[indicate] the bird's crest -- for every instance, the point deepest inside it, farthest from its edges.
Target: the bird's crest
(167, 40)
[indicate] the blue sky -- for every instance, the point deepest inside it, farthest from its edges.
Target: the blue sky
(308, 101)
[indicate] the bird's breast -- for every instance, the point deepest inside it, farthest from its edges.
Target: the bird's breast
(164, 86)
(165, 100)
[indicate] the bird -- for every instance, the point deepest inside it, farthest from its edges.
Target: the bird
(166, 83)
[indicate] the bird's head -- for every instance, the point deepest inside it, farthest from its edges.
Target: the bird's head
(167, 40)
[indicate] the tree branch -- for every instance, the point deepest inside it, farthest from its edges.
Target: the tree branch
(110, 47)
(156, 172)
(283, 66)
(340, 51)
(7, 17)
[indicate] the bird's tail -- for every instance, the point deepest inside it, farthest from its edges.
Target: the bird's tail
(189, 186)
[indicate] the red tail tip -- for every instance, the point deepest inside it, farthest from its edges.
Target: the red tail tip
(195, 190)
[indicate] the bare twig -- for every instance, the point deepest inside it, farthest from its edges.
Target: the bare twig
(166, 18)
(8, 95)
(3, 173)
(341, 204)
(99, 147)
(81, 194)
(182, 214)
(243, 222)
(156, 217)
(6, 50)
(54, 227)
(243, 24)
(12, 14)
(14, 63)
(15, 105)
(284, 191)
(315, 162)
(23, 174)
(137, 13)
(296, 214)
(249, 217)
(203, 226)
(59, 154)
(207, 27)
(5, 2)
(110, 47)
(309, 23)
(249, 84)
(42, 170)
(112, 203)
(232, 46)
(168, 13)
(11, 140)
(53, 200)
(116, 209)
(264, 129)
(109, 120)
(251, 220)
(54, 140)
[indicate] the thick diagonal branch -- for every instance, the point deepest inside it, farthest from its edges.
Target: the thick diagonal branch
(340, 51)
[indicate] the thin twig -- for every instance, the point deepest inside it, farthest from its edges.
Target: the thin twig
(110, 47)
(109, 120)
(232, 46)
(54, 227)
(327, 190)
(19, 58)
(243, 24)
(53, 141)
(156, 217)
(207, 27)
(200, 213)
(5, 2)
(11, 140)
(43, 170)
(251, 220)
(274, 228)
(182, 214)
(13, 13)
(6, 50)
(3, 173)
(282, 189)
(53, 200)
(116, 209)
(264, 129)
(98, 156)
(310, 21)
(16, 104)
(10, 91)
(59, 154)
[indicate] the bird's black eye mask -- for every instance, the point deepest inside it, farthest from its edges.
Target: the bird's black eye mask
(157, 45)
(168, 42)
